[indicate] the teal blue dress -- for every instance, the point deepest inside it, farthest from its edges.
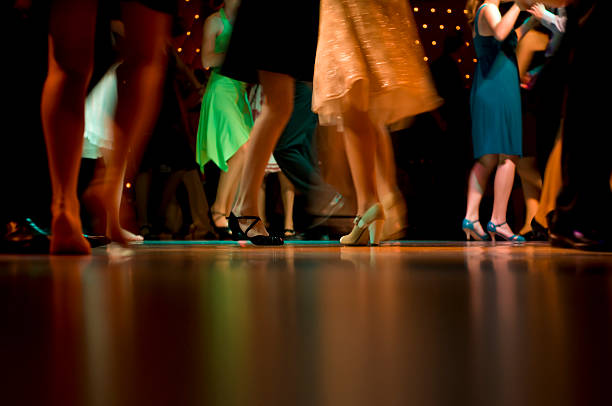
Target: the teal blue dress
(495, 97)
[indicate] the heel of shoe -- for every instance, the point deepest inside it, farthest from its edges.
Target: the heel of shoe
(375, 230)
(236, 232)
(492, 234)
(468, 235)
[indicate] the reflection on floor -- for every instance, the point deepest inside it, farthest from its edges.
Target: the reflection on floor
(411, 323)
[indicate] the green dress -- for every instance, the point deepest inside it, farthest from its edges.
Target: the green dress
(225, 117)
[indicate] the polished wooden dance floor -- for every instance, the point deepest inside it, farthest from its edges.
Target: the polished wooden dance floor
(308, 324)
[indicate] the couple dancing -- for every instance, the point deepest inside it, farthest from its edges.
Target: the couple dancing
(367, 70)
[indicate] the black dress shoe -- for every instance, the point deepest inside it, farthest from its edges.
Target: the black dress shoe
(540, 233)
(579, 241)
(238, 234)
(224, 233)
(24, 237)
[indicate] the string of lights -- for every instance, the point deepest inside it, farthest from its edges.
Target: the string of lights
(436, 21)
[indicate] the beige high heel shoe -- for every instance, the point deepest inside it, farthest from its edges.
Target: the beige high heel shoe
(372, 221)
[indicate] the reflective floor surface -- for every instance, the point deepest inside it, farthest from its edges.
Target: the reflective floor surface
(419, 323)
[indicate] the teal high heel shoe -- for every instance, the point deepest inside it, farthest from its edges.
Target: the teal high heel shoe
(492, 229)
(470, 231)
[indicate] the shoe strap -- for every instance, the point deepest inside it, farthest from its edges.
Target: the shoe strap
(500, 224)
(472, 222)
(217, 214)
(357, 220)
(256, 218)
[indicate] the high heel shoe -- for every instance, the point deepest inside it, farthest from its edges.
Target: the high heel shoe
(238, 234)
(372, 221)
(224, 233)
(492, 229)
(470, 231)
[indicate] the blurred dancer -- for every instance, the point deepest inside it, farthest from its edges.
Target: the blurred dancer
(582, 218)
(296, 157)
(287, 189)
(549, 89)
(541, 119)
(369, 72)
(496, 114)
(287, 37)
(71, 38)
(225, 118)
(530, 54)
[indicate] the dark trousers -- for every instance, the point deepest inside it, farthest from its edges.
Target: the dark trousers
(585, 200)
(294, 150)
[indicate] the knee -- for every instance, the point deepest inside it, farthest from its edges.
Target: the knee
(75, 66)
(280, 108)
(508, 159)
(488, 161)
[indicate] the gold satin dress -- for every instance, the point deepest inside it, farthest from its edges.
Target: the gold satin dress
(368, 57)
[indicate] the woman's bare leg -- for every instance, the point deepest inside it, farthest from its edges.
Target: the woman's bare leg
(288, 196)
(479, 176)
(360, 144)
(276, 111)
(504, 179)
(140, 80)
(71, 38)
(227, 187)
(386, 181)
(261, 203)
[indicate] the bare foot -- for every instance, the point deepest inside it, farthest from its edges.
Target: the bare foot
(219, 219)
(258, 228)
(119, 234)
(67, 235)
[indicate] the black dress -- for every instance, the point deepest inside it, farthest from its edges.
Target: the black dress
(274, 35)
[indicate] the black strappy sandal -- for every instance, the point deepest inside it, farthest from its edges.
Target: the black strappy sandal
(224, 233)
(238, 234)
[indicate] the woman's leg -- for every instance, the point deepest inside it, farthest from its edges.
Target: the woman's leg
(261, 202)
(360, 143)
(227, 187)
(532, 188)
(479, 176)
(386, 182)
(288, 197)
(504, 179)
(71, 38)
(386, 174)
(140, 80)
(276, 111)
